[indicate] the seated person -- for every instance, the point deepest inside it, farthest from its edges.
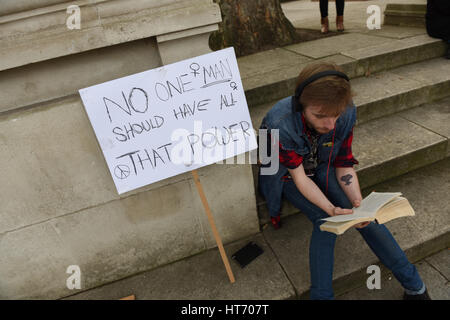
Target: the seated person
(315, 173)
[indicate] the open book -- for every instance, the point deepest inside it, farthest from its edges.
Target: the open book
(379, 206)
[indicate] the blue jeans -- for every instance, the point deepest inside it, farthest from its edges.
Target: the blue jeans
(321, 249)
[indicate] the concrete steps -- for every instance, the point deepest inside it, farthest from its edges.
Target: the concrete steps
(383, 100)
(70, 213)
(394, 143)
(401, 137)
(389, 75)
(282, 271)
(412, 15)
(387, 92)
(271, 75)
(434, 271)
(392, 146)
(420, 236)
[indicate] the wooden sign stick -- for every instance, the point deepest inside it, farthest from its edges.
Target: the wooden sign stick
(213, 226)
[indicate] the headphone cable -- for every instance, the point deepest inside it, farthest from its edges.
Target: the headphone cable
(329, 158)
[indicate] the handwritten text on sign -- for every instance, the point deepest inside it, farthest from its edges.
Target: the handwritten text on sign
(170, 120)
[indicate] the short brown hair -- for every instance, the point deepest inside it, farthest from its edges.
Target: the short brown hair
(332, 93)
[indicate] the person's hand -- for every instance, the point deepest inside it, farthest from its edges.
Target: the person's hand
(356, 204)
(338, 211)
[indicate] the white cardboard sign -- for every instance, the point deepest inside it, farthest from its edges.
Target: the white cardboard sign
(166, 121)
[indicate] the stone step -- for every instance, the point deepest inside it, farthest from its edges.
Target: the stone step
(434, 271)
(391, 146)
(282, 271)
(271, 74)
(266, 76)
(388, 92)
(399, 14)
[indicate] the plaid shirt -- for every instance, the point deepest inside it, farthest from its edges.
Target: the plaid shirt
(344, 158)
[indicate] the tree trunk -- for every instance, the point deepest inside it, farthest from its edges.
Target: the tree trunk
(251, 26)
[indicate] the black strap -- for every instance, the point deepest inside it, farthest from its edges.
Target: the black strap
(316, 76)
(298, 91)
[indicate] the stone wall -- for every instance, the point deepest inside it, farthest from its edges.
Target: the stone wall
(59, 206)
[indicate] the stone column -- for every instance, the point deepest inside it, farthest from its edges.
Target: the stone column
(176, 46)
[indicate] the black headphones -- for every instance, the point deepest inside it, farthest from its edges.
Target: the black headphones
(296, 105)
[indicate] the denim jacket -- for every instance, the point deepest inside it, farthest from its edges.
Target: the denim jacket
(283, 116)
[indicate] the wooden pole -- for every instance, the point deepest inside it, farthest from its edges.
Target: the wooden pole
(213, 226)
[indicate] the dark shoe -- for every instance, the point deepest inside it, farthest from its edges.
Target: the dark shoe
(340, 23)
(423, 296)
(325, 26)
(276, 222)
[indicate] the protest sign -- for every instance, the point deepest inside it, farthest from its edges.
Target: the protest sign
(166, 121)
(173, 119)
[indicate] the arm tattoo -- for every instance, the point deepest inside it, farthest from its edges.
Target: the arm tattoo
(347, 179)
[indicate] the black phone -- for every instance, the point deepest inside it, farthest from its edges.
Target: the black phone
(247, 254)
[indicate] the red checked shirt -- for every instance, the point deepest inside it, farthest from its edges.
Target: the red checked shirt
(291, 160)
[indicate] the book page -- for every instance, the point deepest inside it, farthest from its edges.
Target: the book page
(374, 201)
(399, 207)
(368, 208)
(341, 227)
